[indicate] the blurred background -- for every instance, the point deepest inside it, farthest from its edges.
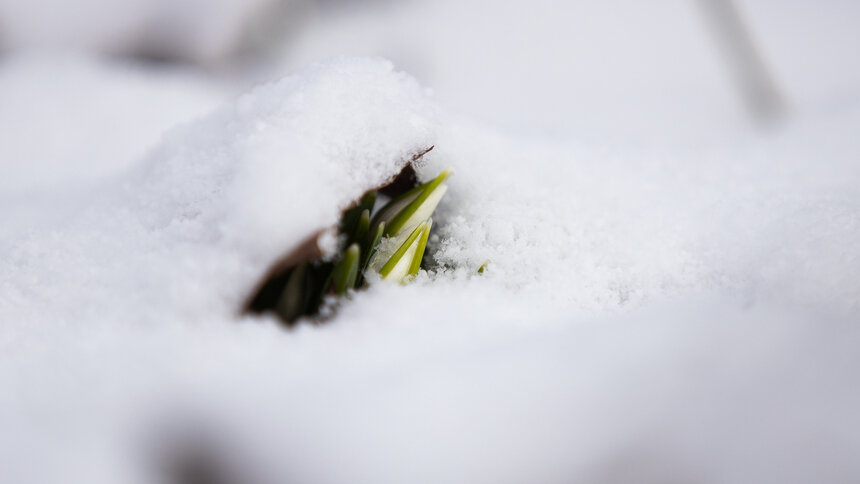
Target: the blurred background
(87, 86)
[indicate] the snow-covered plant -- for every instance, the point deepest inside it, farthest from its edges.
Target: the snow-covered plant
(404, 224)
(392, 245)
(389, 246)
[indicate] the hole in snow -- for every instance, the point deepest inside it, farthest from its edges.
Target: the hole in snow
(304, 283)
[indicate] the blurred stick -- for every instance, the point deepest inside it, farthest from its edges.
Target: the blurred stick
(758, 89)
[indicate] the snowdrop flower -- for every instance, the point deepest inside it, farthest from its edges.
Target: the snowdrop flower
(406, 259)
(413, 207)
(405, 224)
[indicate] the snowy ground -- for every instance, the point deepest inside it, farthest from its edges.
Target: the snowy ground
(672, 294)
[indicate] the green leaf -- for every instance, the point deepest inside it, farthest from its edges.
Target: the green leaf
(291, 304)
(410, 211)
(398, 261)
(393, 207)
(368, 201)
(361, 228)
(372, 244)
(419, 251)
(346, 270)
(351, 217)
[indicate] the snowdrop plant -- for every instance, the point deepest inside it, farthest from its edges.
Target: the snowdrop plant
(389, 246)
(405, 226)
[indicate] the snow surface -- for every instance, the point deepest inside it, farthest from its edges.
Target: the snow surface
(100, 119)
(671, 296)
(123, 318)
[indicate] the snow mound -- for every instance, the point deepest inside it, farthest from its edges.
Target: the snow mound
(574, 227)
(221, 198)
(287, 157)
(120, 316)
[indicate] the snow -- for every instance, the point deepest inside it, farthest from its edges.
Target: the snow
(226, 188)
(681, 309)
(99, 120)
(753, 220)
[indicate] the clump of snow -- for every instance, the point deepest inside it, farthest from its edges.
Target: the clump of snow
(234, 191)
(572, 226)
(649, 317)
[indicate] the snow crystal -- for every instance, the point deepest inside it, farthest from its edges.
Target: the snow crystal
(584, 231)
